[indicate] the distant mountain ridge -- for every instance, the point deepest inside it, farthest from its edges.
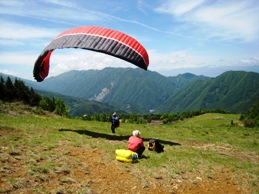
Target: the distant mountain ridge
(138, 91)
(232, 91)
(135, 90)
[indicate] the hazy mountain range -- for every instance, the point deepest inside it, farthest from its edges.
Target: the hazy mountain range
(138, 91)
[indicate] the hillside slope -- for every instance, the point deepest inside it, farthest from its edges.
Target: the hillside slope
(133, 90)
(231, 91)
(138, 91)
(45, 153)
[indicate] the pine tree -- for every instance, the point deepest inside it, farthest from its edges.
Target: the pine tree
(34, 98)
(21, 92)
(2, 88)
(9, 90)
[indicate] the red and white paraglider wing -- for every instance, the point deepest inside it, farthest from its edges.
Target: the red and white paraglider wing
(98, 39)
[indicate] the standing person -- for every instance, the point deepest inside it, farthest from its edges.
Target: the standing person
(135, 143)
(114, 122)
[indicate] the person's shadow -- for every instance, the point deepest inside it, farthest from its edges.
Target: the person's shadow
(116, 137)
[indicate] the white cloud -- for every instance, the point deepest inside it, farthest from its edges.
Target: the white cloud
(63, 12)
(187, 6)
(17, 64)
(186, 59)
(11, 3)
(73, 59)
(62, 3)
(223, 19)
(8, 72)
(174, 60)
(236, 21)
(8, 42)
(17, 58)
(178, 8)
(13, 31)
(251, 61)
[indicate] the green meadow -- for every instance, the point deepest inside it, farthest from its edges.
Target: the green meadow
(203, 146)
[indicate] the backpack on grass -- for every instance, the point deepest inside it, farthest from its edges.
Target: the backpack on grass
(154, 145)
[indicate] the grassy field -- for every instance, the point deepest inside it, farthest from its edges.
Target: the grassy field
(205, 153)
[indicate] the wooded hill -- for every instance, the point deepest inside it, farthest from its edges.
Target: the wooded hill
(127, 89)
(232, 91)
(137, 91)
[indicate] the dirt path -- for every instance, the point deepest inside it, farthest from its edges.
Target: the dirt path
(111, 176)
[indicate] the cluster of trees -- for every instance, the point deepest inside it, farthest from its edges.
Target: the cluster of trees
(250, 118)
(148, 118)
(18, 91)
(55, 105)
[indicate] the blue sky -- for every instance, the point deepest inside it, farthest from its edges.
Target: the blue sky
(198, 36)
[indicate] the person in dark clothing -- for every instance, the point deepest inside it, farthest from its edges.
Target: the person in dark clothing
(114, 122)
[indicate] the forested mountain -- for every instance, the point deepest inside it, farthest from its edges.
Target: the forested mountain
(232, 91)
(79, 106)
(138, 91)
(132, 90)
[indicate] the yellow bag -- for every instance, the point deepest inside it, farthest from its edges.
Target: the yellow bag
(126, 155)
(122, 159)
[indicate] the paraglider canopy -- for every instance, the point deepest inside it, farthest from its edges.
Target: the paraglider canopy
(98, 39)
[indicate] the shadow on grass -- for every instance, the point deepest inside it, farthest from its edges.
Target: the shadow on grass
(116, 137)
